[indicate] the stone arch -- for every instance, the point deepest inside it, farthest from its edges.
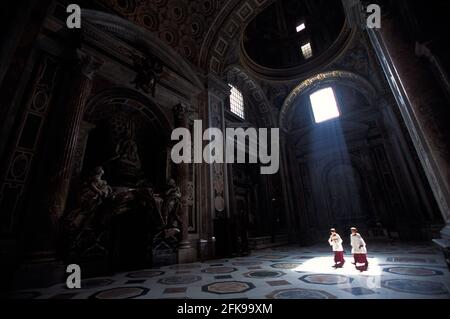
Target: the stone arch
(235, 75)
(319, 80)
(126, 119)
(114, 97)
(133, 33)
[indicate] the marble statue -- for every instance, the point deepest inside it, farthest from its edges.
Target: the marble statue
(148, 70)
(172, 203)
(94, 192)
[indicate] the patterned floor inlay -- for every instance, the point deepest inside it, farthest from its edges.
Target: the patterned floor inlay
(216, 261)
(276, 283)
(422, 252)
(219, 270)
(411, 260)
(247, 263)
(359, 291)
(412, 271)
(185, 267)
(398, 271)
(325, 279)
(179, 280)
(223, 277)
(416, 286)
(262, 274)
(95, 283)
(271, 257)
(298, 293)
(285, 265)
(120, 293)
(135, 281)
(145, 274)
(175, 290)
(228, 287)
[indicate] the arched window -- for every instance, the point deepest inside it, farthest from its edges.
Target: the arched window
(237, 102)
(324, 105)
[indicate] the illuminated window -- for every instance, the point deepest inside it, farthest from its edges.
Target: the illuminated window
(324, 105)
(301, 27)
(307, 50)
(237, 102)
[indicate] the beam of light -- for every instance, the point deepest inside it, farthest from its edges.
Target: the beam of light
(335, 183)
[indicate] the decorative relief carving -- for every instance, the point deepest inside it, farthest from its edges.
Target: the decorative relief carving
(223, 34)
(20, 165)
(175, 22)
(21, 161)
(148, 71)
(87, 64)
(190, 193)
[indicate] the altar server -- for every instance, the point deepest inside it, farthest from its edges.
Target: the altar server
(335, 242)
(359, 250)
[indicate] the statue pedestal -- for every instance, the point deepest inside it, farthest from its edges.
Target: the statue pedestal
(445, 232)
(206, 249)
(186, 253)
(39, 271)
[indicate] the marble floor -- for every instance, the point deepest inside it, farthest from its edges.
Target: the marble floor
(398, 271)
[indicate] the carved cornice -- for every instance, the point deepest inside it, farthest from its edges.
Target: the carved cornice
(88, 64)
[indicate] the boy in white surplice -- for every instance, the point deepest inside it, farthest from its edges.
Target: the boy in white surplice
(335, 241)
(359, 250)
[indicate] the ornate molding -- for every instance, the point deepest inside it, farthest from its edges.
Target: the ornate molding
(225, 32)
(132, 33)
(87, 64)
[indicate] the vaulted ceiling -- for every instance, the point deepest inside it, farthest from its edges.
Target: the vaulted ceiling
(182, 24)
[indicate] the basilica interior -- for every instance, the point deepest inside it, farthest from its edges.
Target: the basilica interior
(86, 169)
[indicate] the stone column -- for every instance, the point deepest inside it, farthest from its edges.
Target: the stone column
(83, 137)
(420, 98)
(206, 232)
(422, 105)
(83, 72)
(218, 92)
(186, 253)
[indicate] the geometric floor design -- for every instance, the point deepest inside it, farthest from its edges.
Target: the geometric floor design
(398, 271)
